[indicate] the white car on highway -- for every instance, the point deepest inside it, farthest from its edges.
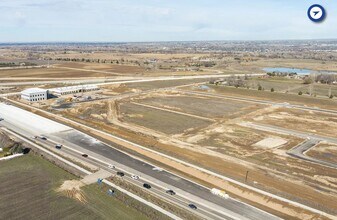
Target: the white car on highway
(111, 166)
(157, 169)
(135, 177)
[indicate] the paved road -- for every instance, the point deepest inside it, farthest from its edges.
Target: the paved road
(299, 151)
(80, 141)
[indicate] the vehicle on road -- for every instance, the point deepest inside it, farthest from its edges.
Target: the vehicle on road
(1, 119)
(84, 155)
(192, 206)
(121, 174)
(171, 192)
(58, 146)
(157, 169)
(147, 186)
(111, 166)
(43, 138)
(135, 177)
(34, 137)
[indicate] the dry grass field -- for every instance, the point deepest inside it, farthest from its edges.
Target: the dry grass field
(28, 189)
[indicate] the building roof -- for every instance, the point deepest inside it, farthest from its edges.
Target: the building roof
(73, 88)
(33, 90)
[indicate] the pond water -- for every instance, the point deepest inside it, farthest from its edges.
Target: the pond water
(288, 70)
(294, 70)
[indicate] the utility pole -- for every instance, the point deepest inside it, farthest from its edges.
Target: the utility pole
(246, 176)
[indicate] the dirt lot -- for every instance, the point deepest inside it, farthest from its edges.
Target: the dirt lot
(199, 105)
(324, 151)
(161, 121)
(270, 96)
(294, 119)
(50, 73)
(30, 184)
(104, 67)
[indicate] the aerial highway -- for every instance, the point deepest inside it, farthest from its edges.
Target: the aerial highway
(28, 124)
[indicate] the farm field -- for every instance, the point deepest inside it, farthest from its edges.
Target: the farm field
(103, 67)
(51, 73)
(163, 84)
(30, 184)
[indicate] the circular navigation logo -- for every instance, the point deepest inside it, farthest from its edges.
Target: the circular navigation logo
(316, 13)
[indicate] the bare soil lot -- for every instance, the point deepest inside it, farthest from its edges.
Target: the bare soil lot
(51, 73)
(271, 96)
(207, 107)
(113, 68)
(294, 119)
(324, 151)
(158, 120)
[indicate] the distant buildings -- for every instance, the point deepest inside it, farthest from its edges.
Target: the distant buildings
(37, 94)
(73, 89)
(34, 94)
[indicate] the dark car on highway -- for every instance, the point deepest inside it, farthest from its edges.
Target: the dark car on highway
(171, 192)
(58, 146)
(147, 186)
(121, 174)
(192, 206)
(43, 138)
(84, 155)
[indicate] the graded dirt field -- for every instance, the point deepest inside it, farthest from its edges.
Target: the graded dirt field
(29, 190)
(324, 151)
(294, 119)
(51, 73)
(166, 122)
(201, 106)
(267, 95)
(113, 68)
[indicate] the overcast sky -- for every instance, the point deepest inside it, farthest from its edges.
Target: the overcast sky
(162, 20)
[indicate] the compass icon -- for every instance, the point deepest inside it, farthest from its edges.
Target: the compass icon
(316, 13)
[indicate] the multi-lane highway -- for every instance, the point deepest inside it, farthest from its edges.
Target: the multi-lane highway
(211, 206)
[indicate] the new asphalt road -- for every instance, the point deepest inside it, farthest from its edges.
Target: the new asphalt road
(193, 192)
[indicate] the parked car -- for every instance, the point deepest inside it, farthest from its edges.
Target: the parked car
(135, 177)
(121, 174)
(147, 186)
(192, 206)
(58, 146)
(84, 155)
(171, 192)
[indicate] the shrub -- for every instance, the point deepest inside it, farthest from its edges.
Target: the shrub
(300, 93)
(272, 90)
